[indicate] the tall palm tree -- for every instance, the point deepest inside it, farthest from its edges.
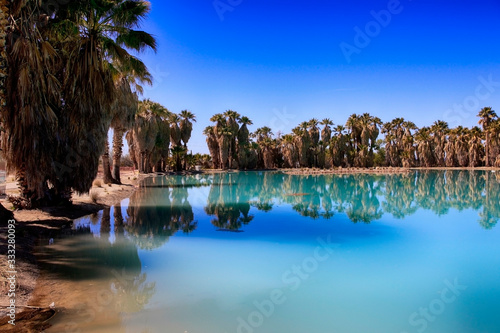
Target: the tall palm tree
(476, 149)
(106, 30)
(232, 118)
(487, 115)
(178, 153)
(144, 133)
(213, 146)
(27, 107)
(290, 156)
(224, 136)
(326, 132)
(162, 143)
(67, 52)
(175, 130)
(186, 125)
(439, 130)
(216, 130)
(494, 132)
(243, 137)
(126, 105)
(4, 23)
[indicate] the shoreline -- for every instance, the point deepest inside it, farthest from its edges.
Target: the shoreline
(34, 287)
(33, 308)
(352, 170)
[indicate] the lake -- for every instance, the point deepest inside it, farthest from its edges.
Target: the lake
(257, 252)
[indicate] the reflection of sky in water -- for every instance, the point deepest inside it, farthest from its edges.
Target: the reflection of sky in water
(376, 276)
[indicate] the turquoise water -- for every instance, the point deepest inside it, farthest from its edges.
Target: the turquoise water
(269, 252)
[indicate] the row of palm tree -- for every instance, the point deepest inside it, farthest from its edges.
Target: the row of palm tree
(67, 76)
(441, 146)
(355, 144)
(156, 133)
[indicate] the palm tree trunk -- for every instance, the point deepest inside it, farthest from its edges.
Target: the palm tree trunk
(117, 152)
(4, 14)
(487, 149)
(107, 178)
(178, 163)
(27, 195)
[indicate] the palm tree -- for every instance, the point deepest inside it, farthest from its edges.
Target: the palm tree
(424, 147)
(175, 130)
(494, 132)
(214, 133)
(399, 139)
(125, 108)
(105, 31)
(303, 142)
(126, 105)
(162, 142)
(178, 153)
(476, 149)
(144, 133)
(22, 101)
(232, 118)
(290, 156)
(326, 132)
(213, 146)
(4, 23)
(487, 115)
(439, 130)
(244, 142)
(314, 131)
(224, 136)
(85, 38)
(186, 125)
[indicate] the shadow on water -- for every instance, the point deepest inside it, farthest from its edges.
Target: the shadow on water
(84, 256)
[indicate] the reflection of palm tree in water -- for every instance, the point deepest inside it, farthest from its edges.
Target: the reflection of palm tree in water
(129, 288)
(356, 195)
(229, 202)
(158, 210)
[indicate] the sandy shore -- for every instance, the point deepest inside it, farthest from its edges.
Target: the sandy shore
(336, 171)
(33, 289)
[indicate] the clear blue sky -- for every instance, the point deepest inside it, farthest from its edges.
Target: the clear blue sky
(282, 62)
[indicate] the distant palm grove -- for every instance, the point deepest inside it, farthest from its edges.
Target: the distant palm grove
(356, 144)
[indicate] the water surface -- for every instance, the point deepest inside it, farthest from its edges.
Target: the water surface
(269, 252)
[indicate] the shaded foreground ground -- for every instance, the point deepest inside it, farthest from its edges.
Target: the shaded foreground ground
(34, 290)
